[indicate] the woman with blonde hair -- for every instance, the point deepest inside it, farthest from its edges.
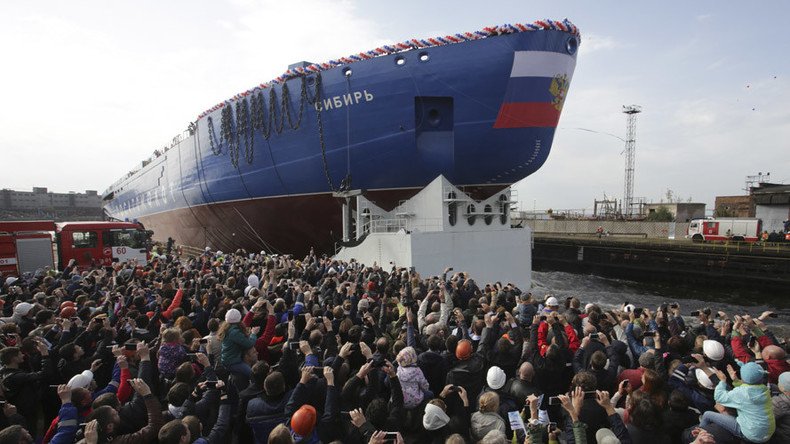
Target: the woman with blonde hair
(487, 417)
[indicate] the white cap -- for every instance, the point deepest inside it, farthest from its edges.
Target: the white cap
(10, 281)
(496, 378)
(703, 379)
(552, 302)
(606, 436)
(713, 349)
(23, 308)
(588, 306)
(83, 380)
(233, 316)
(629, 308)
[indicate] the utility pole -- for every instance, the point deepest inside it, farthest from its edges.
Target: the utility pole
(630, 147)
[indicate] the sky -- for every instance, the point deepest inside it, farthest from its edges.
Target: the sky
(91, 88)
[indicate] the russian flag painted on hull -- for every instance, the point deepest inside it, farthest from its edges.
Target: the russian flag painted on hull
(536, 91)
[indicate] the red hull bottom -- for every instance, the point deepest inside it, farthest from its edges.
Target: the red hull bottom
(289, 224)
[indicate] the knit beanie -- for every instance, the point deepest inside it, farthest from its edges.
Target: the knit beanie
(233, 316)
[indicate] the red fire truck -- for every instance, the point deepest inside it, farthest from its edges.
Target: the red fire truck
(725, 229)
(26, 246)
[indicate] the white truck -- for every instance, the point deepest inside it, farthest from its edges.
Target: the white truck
(725, 229)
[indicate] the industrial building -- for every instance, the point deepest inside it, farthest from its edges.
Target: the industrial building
(772, 206)
(682, 211)
(44, 204)
(734, 206)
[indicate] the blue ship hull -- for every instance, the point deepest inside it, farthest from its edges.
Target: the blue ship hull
(391, 124)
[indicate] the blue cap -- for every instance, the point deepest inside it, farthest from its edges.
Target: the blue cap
(784, 381)
(752, 373)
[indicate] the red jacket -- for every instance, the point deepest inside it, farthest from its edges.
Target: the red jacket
(543, 333)
(775, 366)
(265, 339)
(167, 314)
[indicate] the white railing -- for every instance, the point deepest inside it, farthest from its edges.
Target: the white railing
(394, 224)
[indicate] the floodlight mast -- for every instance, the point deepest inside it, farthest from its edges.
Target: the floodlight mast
(630, 146)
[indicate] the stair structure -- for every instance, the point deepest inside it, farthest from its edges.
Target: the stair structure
(440, 227)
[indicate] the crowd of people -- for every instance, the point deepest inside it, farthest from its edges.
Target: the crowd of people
(246, 348)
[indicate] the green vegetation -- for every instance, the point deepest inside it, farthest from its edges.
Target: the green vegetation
(662, 214)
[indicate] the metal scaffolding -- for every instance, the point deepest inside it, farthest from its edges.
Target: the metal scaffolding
(630, 147)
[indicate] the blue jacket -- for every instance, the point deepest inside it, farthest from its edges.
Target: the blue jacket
(636, 348)
(67, 425)
(698, 399)
(264, 414)
(755, 412)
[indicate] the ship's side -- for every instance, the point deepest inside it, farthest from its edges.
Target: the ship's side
(259, 171)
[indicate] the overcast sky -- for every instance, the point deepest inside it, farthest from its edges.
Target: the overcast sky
(91, 88)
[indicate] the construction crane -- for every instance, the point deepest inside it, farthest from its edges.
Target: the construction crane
(630, 146)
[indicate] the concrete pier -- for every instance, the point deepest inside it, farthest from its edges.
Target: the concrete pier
(739, 265)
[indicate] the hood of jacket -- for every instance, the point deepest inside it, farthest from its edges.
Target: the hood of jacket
(434, 418)
(483, 423)
(757, 393)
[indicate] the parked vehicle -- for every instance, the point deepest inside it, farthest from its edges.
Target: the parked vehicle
(725, 229)
(26, 246)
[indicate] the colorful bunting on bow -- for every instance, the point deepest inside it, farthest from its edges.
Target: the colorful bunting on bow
(565, 26)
